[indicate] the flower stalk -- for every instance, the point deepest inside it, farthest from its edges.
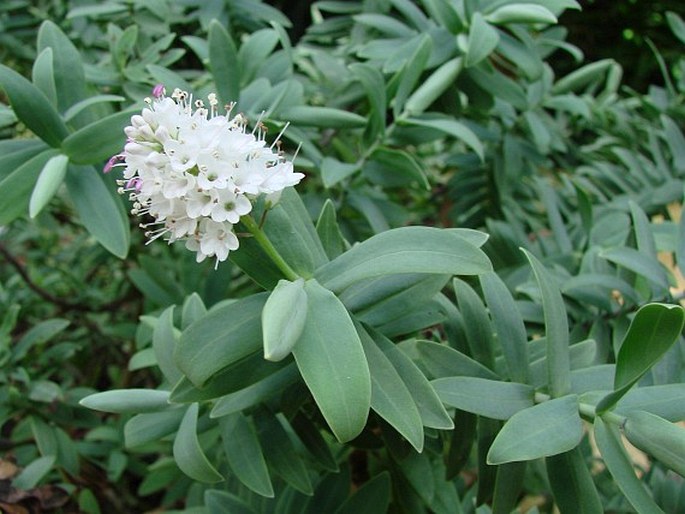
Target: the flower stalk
(253, 228)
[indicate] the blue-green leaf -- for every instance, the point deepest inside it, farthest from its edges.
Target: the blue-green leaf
(188, 453)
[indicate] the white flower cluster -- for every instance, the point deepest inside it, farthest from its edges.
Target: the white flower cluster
(196, 172)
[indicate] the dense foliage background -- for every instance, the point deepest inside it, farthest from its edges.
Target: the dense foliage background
(534, 125)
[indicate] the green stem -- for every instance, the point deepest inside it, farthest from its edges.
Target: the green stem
(588, 411)
(259, 235)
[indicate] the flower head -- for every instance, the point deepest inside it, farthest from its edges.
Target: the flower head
(196, 172)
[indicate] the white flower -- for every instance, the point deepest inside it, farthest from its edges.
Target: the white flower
(196, 172)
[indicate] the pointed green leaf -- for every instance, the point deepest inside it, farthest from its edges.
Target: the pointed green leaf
(49, 180)
(283, 318)
(639, 263)
(151, 427)
(127, 400)
(443, 361)
(431, 410)
(556, 330)
(331, 360)
(223, 502)
(32, 107)
(572, 484)
(69, 76)
(193, 309)
(489, 398)
(244, 453)
(374, 85)
(451, 128)
(521, 13)
(223, 337)
(371, 498)
(164, 340)
(620, 466)
(482, 40)
(411, 72)
(578, 79)
(658, 437)
(476, 324)
(32, 474)
(188, 453)
(43, 76)
(511, 332)
(97, 207)
(390, 397)
(508, 487)
(280, 453)
(404, 250)
(434, 86)
(16, 188)
(99, 140)
(546, 429)
(329, 232)
(223, 61)
(652, 332)
(324, 117)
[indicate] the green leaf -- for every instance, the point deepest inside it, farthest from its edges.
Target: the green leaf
(411, 72)
(521, 13)
(98, 209)
(661, 400)
(127, 400)
(331, 360)
(394, 168)
(188, 453)
(508, 487)
(638, 262)
(404, 250)
(441, 361)
(223, 61)
(658, 437)
(435, 85)
(38, 335)
(164, 340)
(652, 332)
(431, 410)
(390, 398)
(578, 79)
(151, 427)
(253, 52)
(371, 498)
(253, 394)
(621, 468)
(280, 453)
(283, 319)
(476, 323)
(223, 502)
(334, 171)
(676, 142)
(16, 188)
(676, 24)
(374, 85)
(324, 117)
(98, 141)
(43, 76)
(556, 330)
(482, 40)
(69, 76)
(32, 474)
(193, 309)
(489, 398)
(452, 128)
(32, 107)
(312, 439)
(223, 337)
(549, 428)
(49, 180)
(572, 484)
(329, 232)
(170, 79)
(79, 107)
(244, 453)
(511, 332)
